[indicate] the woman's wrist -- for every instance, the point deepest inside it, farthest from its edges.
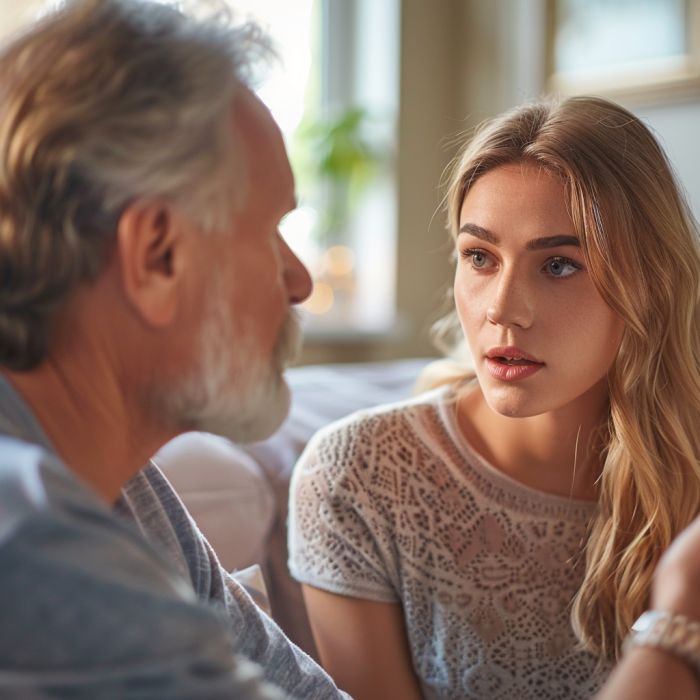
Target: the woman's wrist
(668, 632)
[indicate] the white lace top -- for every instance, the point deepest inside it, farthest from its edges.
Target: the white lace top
(394, 505)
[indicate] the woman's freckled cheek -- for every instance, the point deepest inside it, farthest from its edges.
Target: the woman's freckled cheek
(577, 326)
(472, 302)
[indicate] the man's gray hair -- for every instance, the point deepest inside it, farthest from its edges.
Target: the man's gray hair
(104, 103)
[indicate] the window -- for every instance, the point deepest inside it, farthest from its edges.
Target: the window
(335, 96)
(596, 34)
(627, 49)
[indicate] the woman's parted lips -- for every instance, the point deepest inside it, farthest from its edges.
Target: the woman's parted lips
(510, 352)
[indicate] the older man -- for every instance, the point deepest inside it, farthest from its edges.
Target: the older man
(144, 291)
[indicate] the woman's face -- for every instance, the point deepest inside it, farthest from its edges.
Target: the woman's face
(539, 333)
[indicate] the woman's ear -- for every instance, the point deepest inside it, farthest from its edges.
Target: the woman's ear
(149, 242)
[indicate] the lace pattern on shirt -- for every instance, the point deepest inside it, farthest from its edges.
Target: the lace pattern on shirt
(393, 505)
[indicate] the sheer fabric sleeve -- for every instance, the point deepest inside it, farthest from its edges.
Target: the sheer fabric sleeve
(340, 522)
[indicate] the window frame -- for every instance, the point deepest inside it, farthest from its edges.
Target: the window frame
(651, 86)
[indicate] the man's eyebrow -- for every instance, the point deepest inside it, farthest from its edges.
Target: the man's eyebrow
(478, 232)
(552, 242)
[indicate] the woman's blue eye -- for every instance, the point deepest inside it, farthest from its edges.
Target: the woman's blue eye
(562, 267)
(478, 259)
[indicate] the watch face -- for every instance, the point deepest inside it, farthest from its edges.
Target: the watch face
(644, 621)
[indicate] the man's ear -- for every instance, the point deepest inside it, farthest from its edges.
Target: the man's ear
(149, 249)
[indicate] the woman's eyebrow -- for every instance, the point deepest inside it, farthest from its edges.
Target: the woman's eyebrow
(478, 232)
(534, 244)
(552, 242)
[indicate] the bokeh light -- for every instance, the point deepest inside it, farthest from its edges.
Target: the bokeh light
(339, 260)
(321, 299)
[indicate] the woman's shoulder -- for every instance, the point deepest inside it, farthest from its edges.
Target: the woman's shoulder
(372, 423)
(371, 444)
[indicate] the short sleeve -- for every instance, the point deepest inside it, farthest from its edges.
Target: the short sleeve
(340, 535)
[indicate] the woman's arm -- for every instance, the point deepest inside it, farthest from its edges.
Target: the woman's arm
(362, 645)
(648, 673)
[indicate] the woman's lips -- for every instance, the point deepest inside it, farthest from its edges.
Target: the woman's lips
(511, 364)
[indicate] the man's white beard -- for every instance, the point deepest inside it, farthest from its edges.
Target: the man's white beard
(232, 391)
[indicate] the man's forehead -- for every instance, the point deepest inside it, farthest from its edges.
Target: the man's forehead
(256, 122)
(269, 171)
(259, 132)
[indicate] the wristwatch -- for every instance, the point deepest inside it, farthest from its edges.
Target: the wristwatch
(675, 633)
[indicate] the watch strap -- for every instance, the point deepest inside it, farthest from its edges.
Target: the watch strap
(666, 630)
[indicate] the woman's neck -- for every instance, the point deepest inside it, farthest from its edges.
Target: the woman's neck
(551, 452)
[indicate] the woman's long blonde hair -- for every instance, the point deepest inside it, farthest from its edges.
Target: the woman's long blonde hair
(640, 245)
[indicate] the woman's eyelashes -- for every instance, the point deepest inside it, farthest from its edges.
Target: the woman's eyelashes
(557, 266)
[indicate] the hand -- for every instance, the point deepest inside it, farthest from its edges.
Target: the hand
(676, 585)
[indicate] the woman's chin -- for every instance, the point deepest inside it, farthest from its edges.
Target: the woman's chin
(516, 401)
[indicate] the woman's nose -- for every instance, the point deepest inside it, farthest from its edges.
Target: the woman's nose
(511, 304)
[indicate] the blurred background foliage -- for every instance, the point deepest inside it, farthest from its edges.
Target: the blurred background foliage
(335, 162)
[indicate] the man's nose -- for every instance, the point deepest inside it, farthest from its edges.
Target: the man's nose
(296, 277)
(512, 303)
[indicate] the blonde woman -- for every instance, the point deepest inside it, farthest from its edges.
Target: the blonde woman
(496, 537)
